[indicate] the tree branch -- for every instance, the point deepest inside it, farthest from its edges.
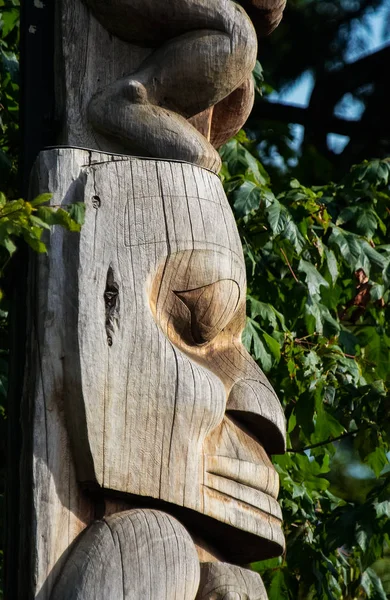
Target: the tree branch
(324, 443)
(331, 87)
(289, 265)
(292, 113)
(318, 117)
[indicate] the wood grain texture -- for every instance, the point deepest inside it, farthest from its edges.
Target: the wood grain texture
(134, 555)
(138, 390)
(125, 97)
(221, 581)
(139, 330)
(101, 60)
(265, 14)
(231, 113)
(58, 512)
(148, 555)
(222, 121)
(204, 51)
(149, 73)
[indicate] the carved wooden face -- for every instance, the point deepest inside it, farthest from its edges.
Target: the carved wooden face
(175, 408)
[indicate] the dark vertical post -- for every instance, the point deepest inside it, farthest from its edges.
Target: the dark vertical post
(37, 81)
(37, 131)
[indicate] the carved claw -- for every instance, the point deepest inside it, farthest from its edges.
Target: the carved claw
(207, 52)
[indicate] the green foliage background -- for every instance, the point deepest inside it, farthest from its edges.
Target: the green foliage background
(9, 148)
(318, 269)
(9, 95)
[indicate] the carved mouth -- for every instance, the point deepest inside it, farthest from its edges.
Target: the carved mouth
(253, 484)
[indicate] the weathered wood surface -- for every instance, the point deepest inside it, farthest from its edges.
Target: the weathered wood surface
(160, 358)
(129, 98)
(136, 355)
(169, 80)
(148, 555)
(221, 581)
(203, 51)
(135, 555)
(265, 14)
(59, 512)
(138, 390)
(88, 58)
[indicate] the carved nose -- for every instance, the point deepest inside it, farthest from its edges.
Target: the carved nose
(256, 405)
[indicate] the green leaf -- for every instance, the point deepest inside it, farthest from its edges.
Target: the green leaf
(64, 219)
(34, 242)
(77, 213)
(294, 184)
(270, 563)
(12, 207)
(314, 279)
(348, 245)
(47, 214)
(376, 349)
(377, 292)
(59, 216)
(10, 19)
(246, 198)
(8, 245)
(383, 509)
(281, 223)
(377, 460)
(318, 318)
(240, 160)
(375, 172)
(278, 589)
(363, 217)
(41, 199)
(367, 222)
(38, 222)
(326, 427)
(266, 312)
(10, 64)
(252, 340)
(332, 264)
(258, 77)
(372, 256)
(273, 345)
(372, 585)
(362, 538)
(278, 217)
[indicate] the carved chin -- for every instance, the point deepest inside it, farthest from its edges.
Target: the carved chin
(243, 514)
(241, 487)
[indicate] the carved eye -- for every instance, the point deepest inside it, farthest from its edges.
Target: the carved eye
(211, 306)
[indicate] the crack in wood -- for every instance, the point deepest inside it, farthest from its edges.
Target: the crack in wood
(111, 301)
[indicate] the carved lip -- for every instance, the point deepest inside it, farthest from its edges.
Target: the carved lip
(254, 484)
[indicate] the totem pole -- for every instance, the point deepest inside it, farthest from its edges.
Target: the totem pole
(152, 426)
